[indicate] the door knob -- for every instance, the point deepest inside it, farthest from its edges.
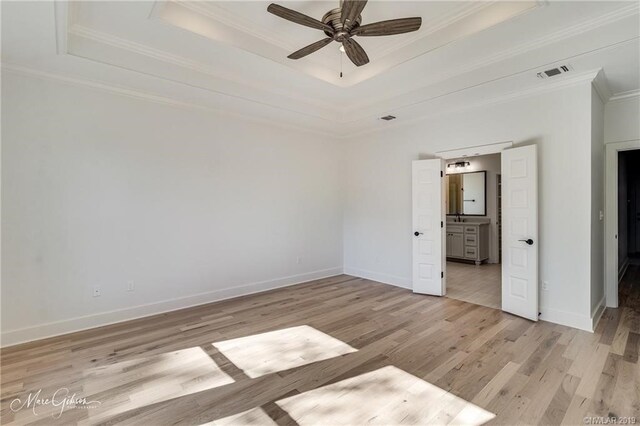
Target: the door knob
(528, 241)
(417, 233)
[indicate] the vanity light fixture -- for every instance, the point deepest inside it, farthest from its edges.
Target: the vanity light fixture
(458, 164)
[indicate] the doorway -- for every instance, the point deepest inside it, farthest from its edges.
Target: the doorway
(629, 228)
(519, 216)
(472, 230)
(621, 218)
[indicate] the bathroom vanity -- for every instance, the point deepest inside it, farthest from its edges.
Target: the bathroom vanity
(467, 232)
(468, 241)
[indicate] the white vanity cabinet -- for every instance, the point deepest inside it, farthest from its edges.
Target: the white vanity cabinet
(468, 241)
(455, 241)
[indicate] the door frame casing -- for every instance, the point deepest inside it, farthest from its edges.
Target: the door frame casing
(470, 152)
(611, 217)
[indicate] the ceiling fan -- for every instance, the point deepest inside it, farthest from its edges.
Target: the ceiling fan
(341, 25)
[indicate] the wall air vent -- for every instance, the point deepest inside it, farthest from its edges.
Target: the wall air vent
(554, 71)
(388, 118)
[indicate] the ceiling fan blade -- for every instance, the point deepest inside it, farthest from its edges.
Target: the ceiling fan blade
(355, 52)
(297, 17)
(310, 48)
(351, 9)
(390, 27)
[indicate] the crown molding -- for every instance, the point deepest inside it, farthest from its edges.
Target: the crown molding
(601, 86)
(220, 14)
(572, 31)
(75, 29)
(157, 99)
(64, 17)
(574, 80)
(205, 23)
(163, 56)
(625, 95)
(336, 134)
(524, 48)
(439, 24)
(480, 16)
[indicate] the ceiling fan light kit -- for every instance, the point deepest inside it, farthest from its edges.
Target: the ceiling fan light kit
(341, 25)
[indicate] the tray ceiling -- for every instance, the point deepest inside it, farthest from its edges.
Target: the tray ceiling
(231, 55)
(248, 26)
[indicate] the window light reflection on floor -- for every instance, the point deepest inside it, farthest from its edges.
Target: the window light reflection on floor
(255, 416)
(151, 379)
(387, 396)
(280, 350)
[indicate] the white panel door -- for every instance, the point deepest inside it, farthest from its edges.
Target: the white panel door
(428, 227)
(520, 232)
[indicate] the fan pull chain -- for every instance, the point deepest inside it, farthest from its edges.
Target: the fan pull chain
(341, 55)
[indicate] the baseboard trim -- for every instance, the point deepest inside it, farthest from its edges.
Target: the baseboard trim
(57, 328)
(380, 277)
(570, 319)
(595, 319)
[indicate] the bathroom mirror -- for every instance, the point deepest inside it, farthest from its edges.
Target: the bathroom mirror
(467, 194)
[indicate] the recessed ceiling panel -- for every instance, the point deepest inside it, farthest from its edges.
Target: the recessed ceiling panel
(248, 26)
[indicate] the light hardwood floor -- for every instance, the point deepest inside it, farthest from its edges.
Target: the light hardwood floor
(478, 284)
(340, 350)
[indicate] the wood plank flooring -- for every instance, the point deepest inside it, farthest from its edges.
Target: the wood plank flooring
(477, 284)
(341, 350)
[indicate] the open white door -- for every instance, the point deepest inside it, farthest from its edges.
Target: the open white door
(428, 227)
(520, 232)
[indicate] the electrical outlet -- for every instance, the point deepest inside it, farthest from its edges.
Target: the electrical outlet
(545, 285)
(298, 260)
(96, 291)
(130, 286)
(601, 215)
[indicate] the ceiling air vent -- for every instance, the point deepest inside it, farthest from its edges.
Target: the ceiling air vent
(554, 71)
(387, 118)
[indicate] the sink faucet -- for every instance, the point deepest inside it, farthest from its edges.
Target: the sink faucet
(458, 217)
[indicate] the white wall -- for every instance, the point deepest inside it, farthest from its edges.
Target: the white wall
(378, 201)
(622, 120)
(597, 204)
(490, 164)
(100, 189)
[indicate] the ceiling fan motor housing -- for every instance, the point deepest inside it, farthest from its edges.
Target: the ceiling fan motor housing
(341, 24)
(333, 18)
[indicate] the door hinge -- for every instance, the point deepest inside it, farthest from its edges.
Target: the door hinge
(441, 173)
(441, 224)
(442, 274)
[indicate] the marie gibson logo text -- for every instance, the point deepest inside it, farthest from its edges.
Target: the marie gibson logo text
(62, 399)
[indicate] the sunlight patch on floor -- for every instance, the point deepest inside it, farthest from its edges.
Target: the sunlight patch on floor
(255, 416)
(280, 350)
(151, 379)
(385, 396)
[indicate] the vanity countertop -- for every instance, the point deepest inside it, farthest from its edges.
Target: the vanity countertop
(482, 221)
